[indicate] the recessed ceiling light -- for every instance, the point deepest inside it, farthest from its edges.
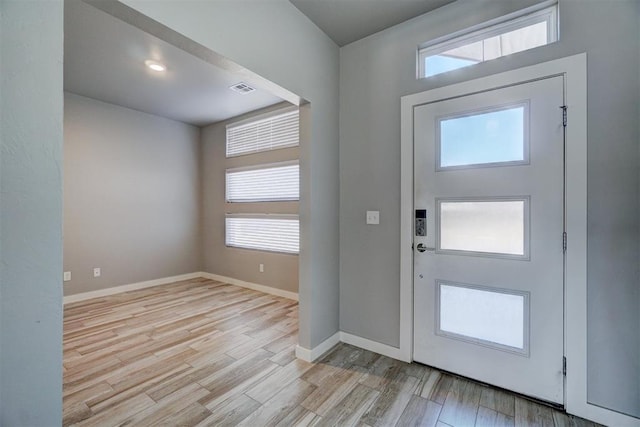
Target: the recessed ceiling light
(154, 65)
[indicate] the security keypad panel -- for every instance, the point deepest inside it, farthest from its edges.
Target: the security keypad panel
(421, 222)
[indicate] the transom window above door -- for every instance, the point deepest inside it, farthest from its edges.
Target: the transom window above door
(523, 30)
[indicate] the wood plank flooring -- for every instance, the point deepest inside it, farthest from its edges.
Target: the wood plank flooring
(201, 352)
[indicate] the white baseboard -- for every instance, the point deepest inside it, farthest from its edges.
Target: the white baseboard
(376, 347)
(130, 287)
(249, 285)
(166, 280)
(313, 354)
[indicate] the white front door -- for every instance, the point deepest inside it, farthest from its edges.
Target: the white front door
(488, 236)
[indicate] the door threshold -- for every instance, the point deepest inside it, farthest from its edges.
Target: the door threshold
(552, 405)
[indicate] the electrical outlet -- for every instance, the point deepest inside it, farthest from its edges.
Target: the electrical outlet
(96, 272)
(67, 276)
(261, 268)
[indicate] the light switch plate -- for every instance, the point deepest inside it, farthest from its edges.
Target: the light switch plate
(373, 217)
(97, 272)
(67, 276)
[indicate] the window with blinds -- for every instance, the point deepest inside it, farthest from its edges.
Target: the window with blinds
(264, 183)
(280, 130)
(276, 233)
(268, 183)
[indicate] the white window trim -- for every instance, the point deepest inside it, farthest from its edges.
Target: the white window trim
(546, 11)
(262, 215)
(259, 167)
(263, 166)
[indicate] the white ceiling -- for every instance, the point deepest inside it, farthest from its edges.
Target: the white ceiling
(104, 59)
(346, 21)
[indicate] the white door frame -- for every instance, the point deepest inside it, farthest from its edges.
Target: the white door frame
(574, 71)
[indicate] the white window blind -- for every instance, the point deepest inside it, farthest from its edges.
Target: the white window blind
(271, 133)
(264, 183)
(276, 233)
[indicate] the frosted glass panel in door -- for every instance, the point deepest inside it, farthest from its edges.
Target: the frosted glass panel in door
(485, 138)
(483, 315)
(491, 226)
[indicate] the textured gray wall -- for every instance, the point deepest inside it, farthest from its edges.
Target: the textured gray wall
(378, 70)
(131, 195)
(296, 55)
(280, 270)
(31, 213)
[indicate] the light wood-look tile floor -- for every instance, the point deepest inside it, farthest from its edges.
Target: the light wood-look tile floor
(201, 352)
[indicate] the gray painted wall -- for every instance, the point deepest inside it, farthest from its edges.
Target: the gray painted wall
(131, 195)
(296, 55)
(280, 270)
(375, 72)
(613, 214)
(31, 213)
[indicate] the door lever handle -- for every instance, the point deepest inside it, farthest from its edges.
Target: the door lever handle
(421, 248)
